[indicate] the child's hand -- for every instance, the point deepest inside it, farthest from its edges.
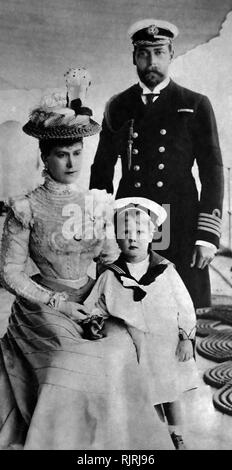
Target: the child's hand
(184, 350)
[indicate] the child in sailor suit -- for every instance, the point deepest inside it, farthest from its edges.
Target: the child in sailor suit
(143, 290)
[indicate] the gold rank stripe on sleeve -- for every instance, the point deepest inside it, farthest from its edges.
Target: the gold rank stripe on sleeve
(209, 229)
(209, 223)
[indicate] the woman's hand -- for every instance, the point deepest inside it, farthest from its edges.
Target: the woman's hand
(184, 350)
(74, 310)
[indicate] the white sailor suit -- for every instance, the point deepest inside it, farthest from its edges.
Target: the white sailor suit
(157, 311)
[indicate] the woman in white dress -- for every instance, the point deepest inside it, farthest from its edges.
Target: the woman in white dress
(57, 389)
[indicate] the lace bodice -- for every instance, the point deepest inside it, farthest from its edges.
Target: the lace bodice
(42, 225)
(58, 212)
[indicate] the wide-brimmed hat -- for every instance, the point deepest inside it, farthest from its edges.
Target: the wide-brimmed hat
(62, 115)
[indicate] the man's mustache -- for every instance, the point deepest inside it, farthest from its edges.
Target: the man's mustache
(153, 69)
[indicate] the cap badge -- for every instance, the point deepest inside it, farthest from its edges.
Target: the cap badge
(153, 30)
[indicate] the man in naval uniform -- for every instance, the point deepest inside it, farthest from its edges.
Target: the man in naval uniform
(159, 129)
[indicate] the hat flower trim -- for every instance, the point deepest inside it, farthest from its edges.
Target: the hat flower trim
(61, 114)
(53, 112)
(100, 212)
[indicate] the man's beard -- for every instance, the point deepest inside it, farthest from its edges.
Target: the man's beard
(150, 77)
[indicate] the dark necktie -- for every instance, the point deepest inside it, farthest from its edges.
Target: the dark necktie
(149, 98)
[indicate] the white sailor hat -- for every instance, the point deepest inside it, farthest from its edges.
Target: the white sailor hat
(152, 32)
(154, 211)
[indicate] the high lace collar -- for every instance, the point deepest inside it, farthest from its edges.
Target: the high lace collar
(58, 188)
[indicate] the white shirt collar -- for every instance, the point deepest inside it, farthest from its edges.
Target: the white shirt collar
(138, 269)
(157, 88)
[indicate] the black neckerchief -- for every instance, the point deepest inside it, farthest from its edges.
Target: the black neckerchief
(120, 269)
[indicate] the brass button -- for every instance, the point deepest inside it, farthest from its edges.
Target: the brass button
(136, 168)
(135, 135)
(135, 151)
(161, 149)
(161, 166)
(163, 131)
(160, 184)
(137, 185)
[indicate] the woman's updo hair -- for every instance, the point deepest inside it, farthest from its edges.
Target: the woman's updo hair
(46, 145)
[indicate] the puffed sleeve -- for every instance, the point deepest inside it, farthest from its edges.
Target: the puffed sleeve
(186, 311)
(15, 253)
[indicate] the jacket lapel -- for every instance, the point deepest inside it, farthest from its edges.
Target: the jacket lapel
(164, 105)
(138, 109)
(134, 108)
